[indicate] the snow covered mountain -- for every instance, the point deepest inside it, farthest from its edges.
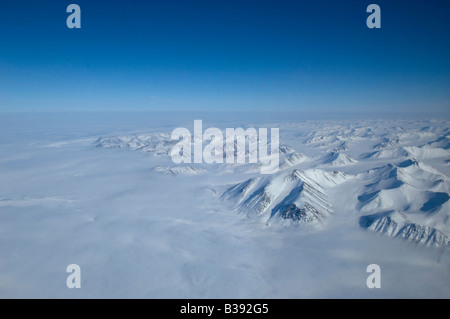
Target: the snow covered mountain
(399, 170)
(157, 144)
(396, 194)
(413, 188)
(296, 196)
(348, 193)
(338, 159)
(175, 170)
(396, 224)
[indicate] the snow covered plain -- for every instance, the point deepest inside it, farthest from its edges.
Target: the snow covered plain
(101, 191)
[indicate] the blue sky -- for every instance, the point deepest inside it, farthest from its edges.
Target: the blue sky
(225, 55)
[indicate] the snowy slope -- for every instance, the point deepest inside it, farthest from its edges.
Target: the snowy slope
(338, 159)
(396, 224)
(295, 195)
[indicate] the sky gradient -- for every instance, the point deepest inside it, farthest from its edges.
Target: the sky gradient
(225, 55)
